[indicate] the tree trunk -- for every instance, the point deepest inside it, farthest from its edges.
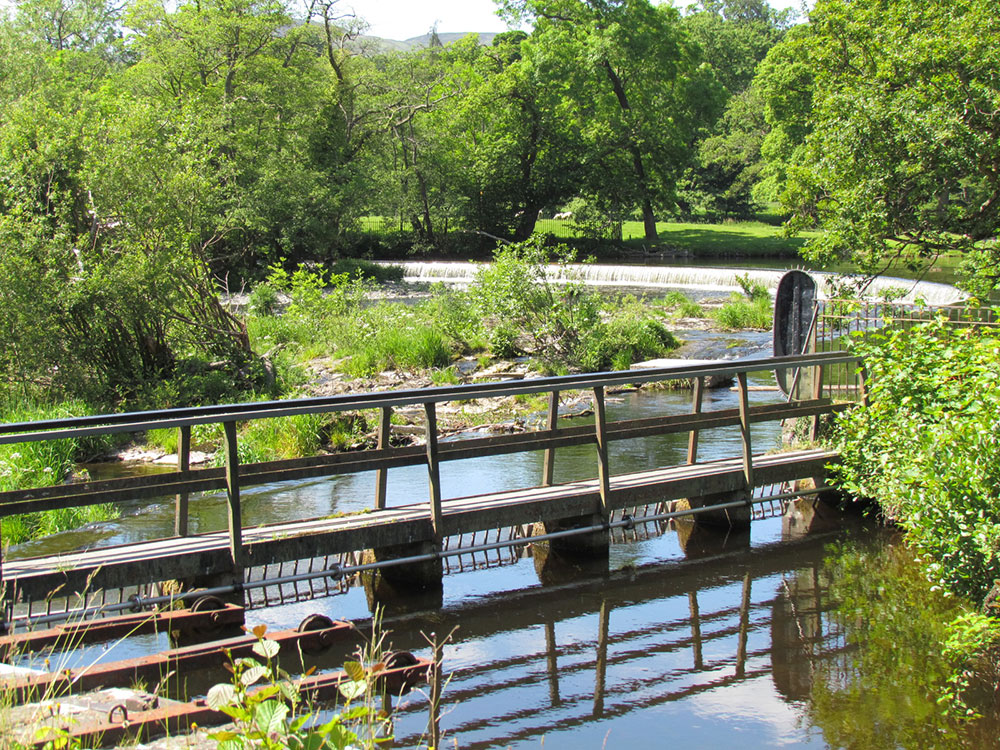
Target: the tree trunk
(526, 224)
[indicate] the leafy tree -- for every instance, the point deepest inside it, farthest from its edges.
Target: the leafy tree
(735, 35)
(634, 83)
(522, 154)
(885, 134)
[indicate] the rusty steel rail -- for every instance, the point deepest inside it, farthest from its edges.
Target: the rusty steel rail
(73, 634)
(314, 635)
(400, 673)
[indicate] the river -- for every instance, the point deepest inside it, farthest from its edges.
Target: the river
(683, 639)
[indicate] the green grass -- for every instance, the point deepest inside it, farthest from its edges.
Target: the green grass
(741, 313)
(751, 238)
(44, 464)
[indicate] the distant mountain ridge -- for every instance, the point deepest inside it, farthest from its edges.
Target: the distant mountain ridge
(424, 40)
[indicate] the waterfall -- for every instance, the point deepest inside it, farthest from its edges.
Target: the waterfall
(678, 277)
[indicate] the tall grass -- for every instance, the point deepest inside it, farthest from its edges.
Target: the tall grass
(44, 464)
(741, 313)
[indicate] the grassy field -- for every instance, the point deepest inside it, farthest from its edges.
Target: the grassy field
(751, 238)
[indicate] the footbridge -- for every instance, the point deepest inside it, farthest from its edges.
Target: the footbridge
(404, 545)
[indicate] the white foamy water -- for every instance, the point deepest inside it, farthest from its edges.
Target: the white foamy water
(679, 277)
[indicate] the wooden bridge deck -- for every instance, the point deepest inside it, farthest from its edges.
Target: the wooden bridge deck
(203, 554)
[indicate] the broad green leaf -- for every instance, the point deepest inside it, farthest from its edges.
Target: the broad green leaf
(270, 716)
(220, 695)
(266, 648)
(355, 671)
(252, 675)
(352, 689)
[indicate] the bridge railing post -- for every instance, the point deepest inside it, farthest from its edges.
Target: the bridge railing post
(433, 469)
(696, 402)
(548, 463)
(382, 475)
(601, 436)
(816, 394)
(183, 465)
(741, 379)
(233, 496)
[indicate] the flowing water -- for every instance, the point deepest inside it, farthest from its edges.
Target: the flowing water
(682, 639)
(681, 277)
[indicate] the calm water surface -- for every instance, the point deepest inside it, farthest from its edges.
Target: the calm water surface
(704, 640)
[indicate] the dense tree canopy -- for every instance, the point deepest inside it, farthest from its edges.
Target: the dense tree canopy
(885, 133)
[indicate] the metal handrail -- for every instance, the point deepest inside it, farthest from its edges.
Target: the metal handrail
(104, 424)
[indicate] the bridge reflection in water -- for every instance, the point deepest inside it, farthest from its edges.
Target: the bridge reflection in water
(681, 649)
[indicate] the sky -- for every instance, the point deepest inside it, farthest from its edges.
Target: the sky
(403, 19)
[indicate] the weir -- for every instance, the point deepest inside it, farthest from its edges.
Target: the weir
(414, 535)
(684, 277)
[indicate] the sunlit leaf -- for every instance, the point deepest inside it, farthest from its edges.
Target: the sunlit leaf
(266, 648)
(270, 716)
(355, 671)
(352, 689)
(252, 675)
(220, 695)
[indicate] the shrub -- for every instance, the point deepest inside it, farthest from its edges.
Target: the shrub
(619, 342)
(398, 344)
(927, 447)
(523, 312)
(366, 269)
(741, 313)
(680, 304)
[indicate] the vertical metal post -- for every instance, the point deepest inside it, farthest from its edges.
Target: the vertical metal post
(548, 463)
(436, 692)
(696, 401)
(382, 475)
(741, 379)
(699, 662)
(601, 434)
(602, 658)
(817, 393)
(741, 648)
(433, 469)
(183, 465)
(551, 662)
(233, 495)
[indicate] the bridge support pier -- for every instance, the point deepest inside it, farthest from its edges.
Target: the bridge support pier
(407, 586)
(726, 518)
(700, 540)
(811, 513)
(565, 558)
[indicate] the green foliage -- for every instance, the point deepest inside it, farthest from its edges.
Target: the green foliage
(270, 713)
(742, 312)
(927, 448)
(681, 305)
(881, 133)
(44, 464)
(898, 684)
(398, 344)
(366, 269)
(524, 312)
(283, 437)
(631, 336)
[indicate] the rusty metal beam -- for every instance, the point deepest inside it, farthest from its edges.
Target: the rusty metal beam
(152, 669)
(177, 718)
(71, 635)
